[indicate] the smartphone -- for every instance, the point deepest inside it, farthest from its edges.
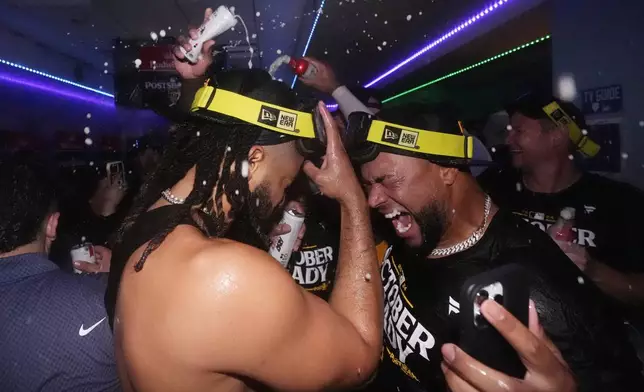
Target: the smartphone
(508, 286)
(116, 173)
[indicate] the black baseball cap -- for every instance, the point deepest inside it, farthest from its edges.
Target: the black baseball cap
(532, 105)
(435, 118)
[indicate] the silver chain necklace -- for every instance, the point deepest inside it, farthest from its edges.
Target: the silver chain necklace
(471, 240)
(171, 198)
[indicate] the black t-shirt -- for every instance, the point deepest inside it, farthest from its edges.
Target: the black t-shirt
(422, 305)
(609, 218)
(313, 266)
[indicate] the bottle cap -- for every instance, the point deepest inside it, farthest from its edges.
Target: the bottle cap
(568, 213)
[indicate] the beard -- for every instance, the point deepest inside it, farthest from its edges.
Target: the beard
(432, 221)
(255, 219)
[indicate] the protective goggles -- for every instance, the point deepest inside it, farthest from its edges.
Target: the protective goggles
(366, 137)
(584, 144)
(306, 128)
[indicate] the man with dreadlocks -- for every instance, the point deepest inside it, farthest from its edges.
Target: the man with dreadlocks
(193, 309)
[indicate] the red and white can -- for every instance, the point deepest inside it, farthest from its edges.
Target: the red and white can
(83, 252)
(282, 246)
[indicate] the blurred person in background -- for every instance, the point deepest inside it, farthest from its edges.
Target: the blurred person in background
(91, 214)
(53, 330)
(547, 175)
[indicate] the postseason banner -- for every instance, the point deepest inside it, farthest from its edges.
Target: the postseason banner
(145, 75)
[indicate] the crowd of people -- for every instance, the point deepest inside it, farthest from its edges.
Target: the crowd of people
(403, 208)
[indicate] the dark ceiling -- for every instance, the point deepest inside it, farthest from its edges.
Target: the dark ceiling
(361, 39)
(516, 32)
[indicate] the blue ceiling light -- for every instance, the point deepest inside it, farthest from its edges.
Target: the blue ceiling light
(56, 78)
(308, 42)
(455, 30)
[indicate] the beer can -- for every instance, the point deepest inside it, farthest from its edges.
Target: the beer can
(83, 252)
(282, 246)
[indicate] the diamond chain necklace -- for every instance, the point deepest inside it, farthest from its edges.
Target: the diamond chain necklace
(471, 240)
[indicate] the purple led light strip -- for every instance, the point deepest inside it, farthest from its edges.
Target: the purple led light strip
(464, 25)
(11, 78)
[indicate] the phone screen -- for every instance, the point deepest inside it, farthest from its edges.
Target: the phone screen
(116, 173)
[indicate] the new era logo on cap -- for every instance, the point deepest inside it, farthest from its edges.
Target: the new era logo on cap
(400, 137)
(267, 115)
(278, 118)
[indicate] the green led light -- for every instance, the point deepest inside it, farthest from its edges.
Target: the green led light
(460, 71)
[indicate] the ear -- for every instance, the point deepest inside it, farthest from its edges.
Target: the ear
(256, 155)
(448, 175)
(52, 225)
(559, 136)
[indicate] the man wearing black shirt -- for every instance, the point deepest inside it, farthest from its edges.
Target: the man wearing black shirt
(546, 178)
(450, 231)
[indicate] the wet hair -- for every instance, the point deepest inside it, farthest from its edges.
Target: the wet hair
(212, 143)
(27, 197)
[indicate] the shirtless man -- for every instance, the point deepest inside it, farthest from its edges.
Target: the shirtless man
(193, 310)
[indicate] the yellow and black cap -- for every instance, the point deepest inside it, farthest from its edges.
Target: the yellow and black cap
(413, 131)
(228, 99)
(563, 113)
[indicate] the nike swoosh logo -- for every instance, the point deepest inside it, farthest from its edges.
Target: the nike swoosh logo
(82, 331)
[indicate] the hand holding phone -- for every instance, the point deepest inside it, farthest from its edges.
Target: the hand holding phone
(546, 369)
(509, 287)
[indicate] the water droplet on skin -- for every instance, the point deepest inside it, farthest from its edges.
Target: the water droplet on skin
(367, 277)
(89, 141)
(86, 130)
